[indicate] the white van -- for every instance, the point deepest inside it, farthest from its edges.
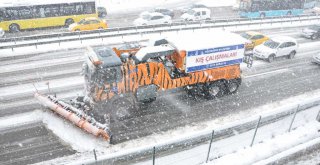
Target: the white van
(197, 14)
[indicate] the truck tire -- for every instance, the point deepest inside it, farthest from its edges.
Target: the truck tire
(68, 22)
(149, 100)
(215, 90)
(233, 85)
(14, 28)
(289, 13)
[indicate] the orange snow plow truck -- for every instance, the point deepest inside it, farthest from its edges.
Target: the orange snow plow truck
(116, 81)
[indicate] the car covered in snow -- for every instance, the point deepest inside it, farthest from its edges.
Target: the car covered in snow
(153, 18)
(276, 47)
(1, 32)
(312, 32)
(197, 14)
(316, 58)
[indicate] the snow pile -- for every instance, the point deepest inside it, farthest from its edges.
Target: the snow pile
(271, 147)
(71, 134)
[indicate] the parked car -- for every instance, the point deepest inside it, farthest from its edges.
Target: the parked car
(276, 47)
(316, 58)
(312, 32)
(255, 37)
(197, 14)
(164, 11)
(152, 19)
(1, 32)
(89, 24)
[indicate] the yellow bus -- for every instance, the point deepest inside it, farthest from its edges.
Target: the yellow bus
(30, 14)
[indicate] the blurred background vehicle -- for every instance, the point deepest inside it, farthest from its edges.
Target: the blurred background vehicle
(17, 16)
(312, 32)
(316, 58)
(276, 47)
(147, 18)
(164, 11)
(274, 8)
(89, 24)
(197, 14)
(256, 38)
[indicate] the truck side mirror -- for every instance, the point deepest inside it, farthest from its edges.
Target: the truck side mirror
(124, 57)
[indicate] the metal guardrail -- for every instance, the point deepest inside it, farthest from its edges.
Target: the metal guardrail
(201, 138)
(85, 35)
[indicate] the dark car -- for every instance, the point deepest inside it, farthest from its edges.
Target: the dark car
(312, 32)
(164, 11)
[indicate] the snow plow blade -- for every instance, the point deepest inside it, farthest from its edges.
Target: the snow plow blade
(75, 115)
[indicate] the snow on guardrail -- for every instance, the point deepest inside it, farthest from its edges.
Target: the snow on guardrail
(11, 43)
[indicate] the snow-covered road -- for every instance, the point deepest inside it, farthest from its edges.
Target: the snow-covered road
(263, 84)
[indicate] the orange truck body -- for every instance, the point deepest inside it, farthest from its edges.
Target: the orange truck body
(135, 76)
(208, 65)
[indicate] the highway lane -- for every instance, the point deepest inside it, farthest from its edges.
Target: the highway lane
(125, 19)
(29, 144)
(262, 84)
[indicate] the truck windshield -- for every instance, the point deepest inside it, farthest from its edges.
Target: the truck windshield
(271, 44)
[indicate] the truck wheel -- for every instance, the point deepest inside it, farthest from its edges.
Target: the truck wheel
(271, 58)
(121, 109)
(149, 100)
(215, 90)
(14, 28)
(289, 13)
(233, 86)
(68, 22)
